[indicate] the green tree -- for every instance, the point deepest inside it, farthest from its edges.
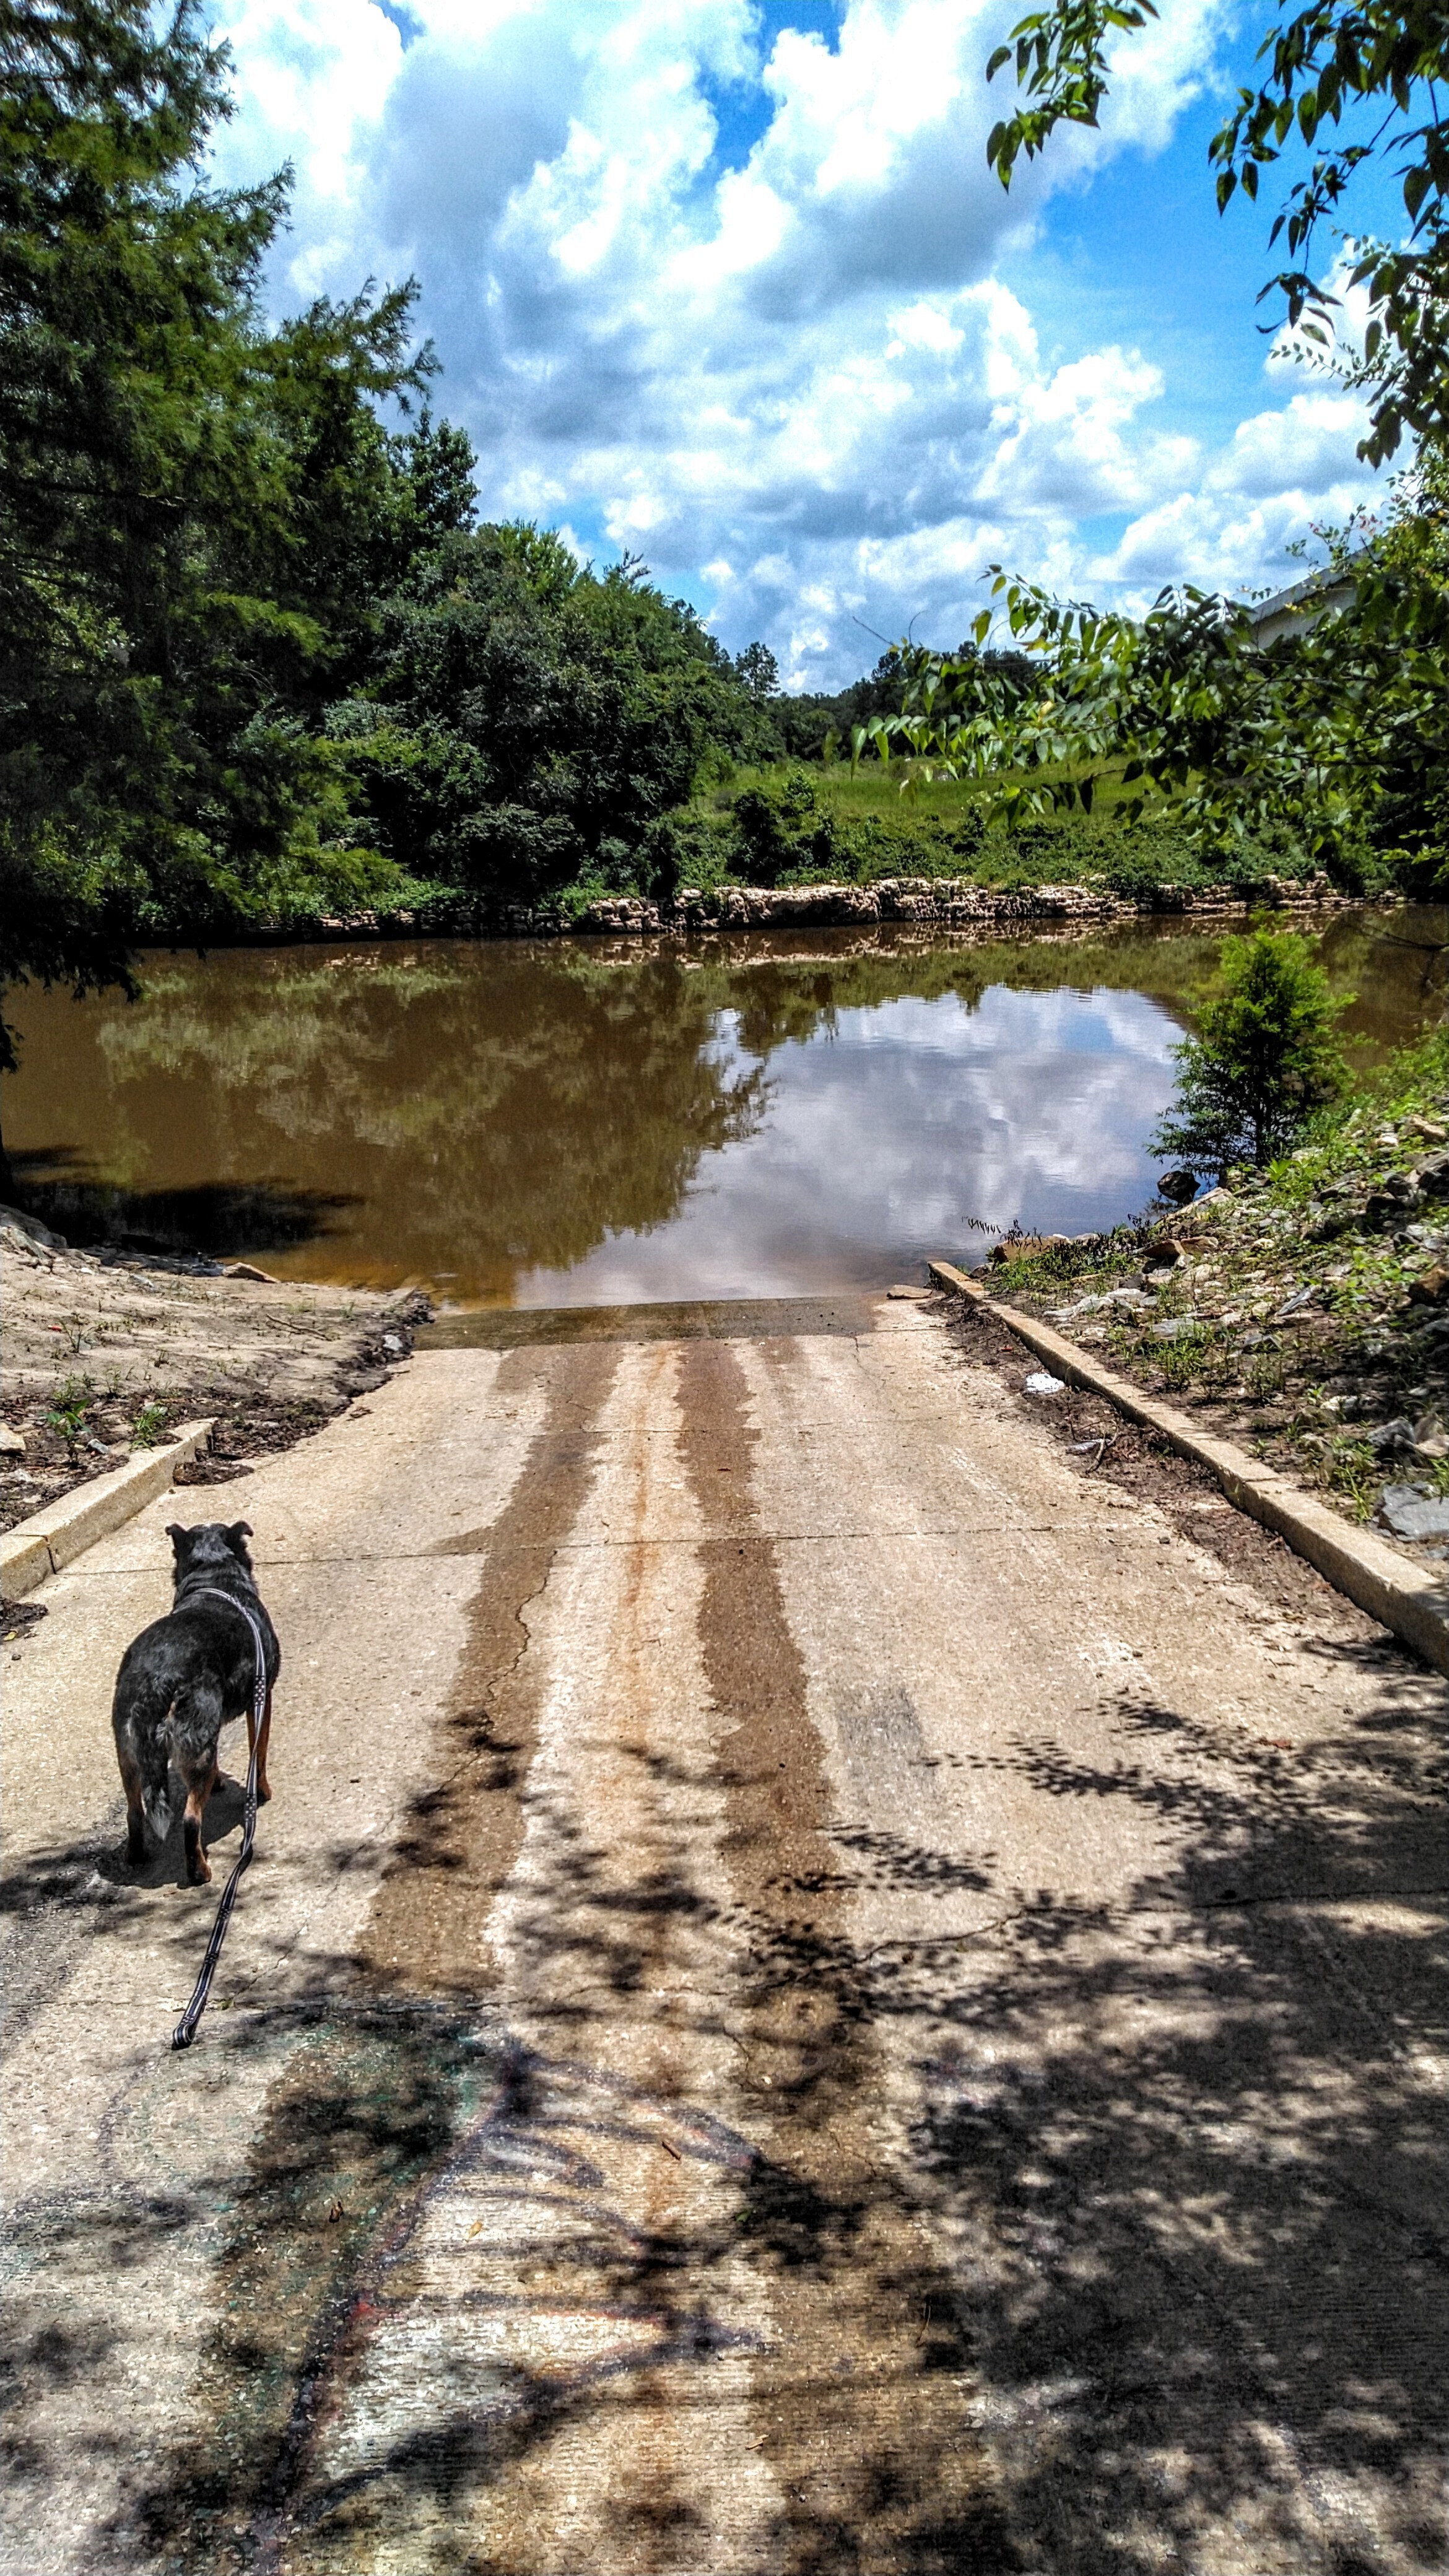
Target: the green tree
(1264, 1056)
(760, 672)
(1385, 60)
(524, 722)
(189, 504)
(1332, 738)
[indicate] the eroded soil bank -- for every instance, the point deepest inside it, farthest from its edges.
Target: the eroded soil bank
(103, 1353)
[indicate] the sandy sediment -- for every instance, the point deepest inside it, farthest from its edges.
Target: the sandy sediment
(102, 1352)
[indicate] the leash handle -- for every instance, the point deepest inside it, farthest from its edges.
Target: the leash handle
(185, 2031)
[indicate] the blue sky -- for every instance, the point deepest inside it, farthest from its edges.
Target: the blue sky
(731, 285)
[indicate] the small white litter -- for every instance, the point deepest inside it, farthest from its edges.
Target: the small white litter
(1040, 1384)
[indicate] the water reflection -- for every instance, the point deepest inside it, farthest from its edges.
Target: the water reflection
(572, 1124)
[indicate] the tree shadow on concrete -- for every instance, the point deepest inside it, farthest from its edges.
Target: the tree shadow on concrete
(1164, 2229)
(1192, 2148)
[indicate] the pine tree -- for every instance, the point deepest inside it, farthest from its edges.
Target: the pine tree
(186, 495)
(1264, 1056)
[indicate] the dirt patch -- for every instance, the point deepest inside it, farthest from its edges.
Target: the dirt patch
(103, 1355)
(1101, 1446)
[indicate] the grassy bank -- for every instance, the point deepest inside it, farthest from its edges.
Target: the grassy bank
(1304, 1309)
(797, 825)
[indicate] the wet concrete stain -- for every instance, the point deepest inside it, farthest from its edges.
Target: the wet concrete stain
(427, 1931)
(859, 2407)
(611, 1956)
(728, 1319)
(364, 2105)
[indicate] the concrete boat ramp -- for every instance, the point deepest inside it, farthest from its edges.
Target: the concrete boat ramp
(819, 1992)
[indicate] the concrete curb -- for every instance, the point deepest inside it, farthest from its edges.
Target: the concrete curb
(1373, 1574)
(50, 1539)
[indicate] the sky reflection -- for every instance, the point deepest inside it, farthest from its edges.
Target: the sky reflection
(884, 1134)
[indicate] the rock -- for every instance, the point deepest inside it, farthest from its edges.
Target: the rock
(1431, 1288)
(20, 1248)
(1218, 1198)
(1179, 1187)
(1384, 1206)
(917, 1296)
(31, 1225)
(1024, 1247)
(245, 1270)
(1176, 1329)
(626, 912)
(1430, 1130)
(1388, 1436)
(1129, 1297)
(1408, 1511)
(12, 1443)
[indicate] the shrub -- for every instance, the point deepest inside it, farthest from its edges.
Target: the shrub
(1265, 1056)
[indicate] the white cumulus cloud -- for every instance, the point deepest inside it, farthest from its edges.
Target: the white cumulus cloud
(790, 374)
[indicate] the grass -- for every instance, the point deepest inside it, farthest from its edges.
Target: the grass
(793, 823)
(876, 791)
(72, 1405)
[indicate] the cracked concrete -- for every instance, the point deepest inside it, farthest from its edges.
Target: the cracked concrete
(817, 1993)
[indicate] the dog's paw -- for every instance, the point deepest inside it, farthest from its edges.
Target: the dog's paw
(200, 1876)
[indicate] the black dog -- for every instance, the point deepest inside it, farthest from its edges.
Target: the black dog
(185, 1678)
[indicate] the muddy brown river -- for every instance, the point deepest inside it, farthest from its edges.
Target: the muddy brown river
(598, 1122)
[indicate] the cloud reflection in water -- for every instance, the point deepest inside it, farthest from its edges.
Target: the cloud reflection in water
(886, 1129)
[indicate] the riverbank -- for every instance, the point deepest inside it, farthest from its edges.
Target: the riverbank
(1303, 1311)
(957, 903)
(104, 1353)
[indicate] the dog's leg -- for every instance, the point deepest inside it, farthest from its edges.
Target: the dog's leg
(135, 1809)
(200, 1778)
(257, 1743)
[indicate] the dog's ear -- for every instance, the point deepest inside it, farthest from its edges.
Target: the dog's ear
(236, 1537)
(180, 1540)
